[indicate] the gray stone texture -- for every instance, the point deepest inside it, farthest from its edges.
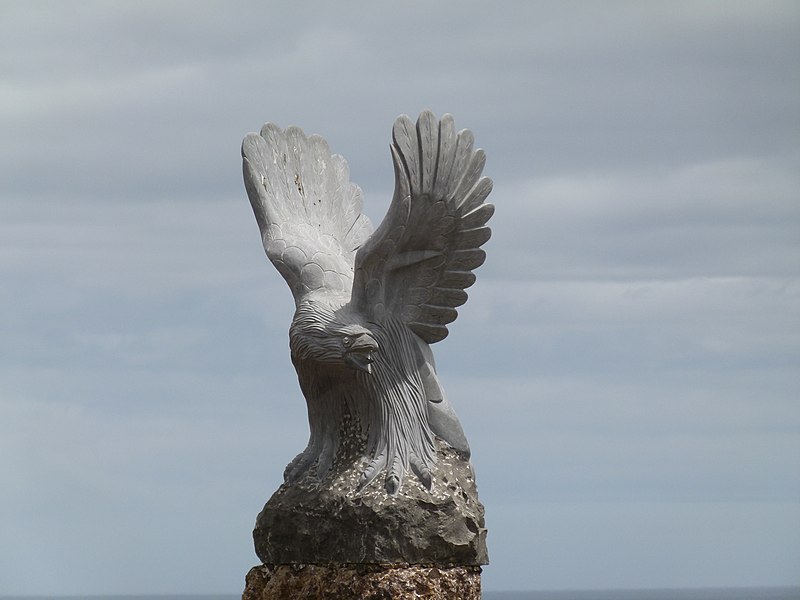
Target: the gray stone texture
(329, 521)
(365, 582)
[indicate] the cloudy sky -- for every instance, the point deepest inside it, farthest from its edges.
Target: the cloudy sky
(627, 368)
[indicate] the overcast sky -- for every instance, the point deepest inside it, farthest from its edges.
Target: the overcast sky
(627, 367)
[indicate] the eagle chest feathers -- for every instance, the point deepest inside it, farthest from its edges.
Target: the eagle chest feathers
(370, 303)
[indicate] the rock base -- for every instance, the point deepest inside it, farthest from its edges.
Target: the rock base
(332, 522)
(363, 581)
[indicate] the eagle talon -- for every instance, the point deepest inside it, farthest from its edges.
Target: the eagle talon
(371, 471)
(392, 484)
(299, 465)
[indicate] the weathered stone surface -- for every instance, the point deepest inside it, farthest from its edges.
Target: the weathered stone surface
(330, 521)
(365, 582)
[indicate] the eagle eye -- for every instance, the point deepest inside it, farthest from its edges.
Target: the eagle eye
(347, 341)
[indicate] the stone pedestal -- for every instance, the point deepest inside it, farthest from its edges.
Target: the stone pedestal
(332, 522)
(330, 540)
(362, 582)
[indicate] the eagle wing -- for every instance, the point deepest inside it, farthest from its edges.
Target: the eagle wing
(419, 262)
(308, 211)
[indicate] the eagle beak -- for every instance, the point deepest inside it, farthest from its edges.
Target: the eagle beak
(359, 355)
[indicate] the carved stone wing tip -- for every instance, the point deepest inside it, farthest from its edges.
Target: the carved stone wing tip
(438, 207)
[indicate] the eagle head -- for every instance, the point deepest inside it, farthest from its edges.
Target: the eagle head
(359, 348)
(332, 337)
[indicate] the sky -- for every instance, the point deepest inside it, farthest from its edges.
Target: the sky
(627, 368)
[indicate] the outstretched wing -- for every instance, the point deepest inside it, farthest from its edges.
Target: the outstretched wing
(307, 210)
(418, 263)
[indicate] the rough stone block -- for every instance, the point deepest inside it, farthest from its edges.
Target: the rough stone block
(363, 582)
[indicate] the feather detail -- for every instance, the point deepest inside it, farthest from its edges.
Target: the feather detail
(429, 333)
(457, 279)
(307, 210)
(428, 136)
(477, 194)
(441, 315)
(473, 238)
(432, 233)
(448, 296)
(478, 217)
(447, 155)
(466, 260)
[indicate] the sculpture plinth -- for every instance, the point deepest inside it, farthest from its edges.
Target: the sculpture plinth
(384, 482)
(362, 582)
(309, 523)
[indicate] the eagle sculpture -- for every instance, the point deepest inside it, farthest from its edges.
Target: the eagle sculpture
(370, 303)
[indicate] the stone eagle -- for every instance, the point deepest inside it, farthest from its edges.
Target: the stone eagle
(370, 303)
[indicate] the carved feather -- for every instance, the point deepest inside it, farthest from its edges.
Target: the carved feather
(308, 211)
(438, 215)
